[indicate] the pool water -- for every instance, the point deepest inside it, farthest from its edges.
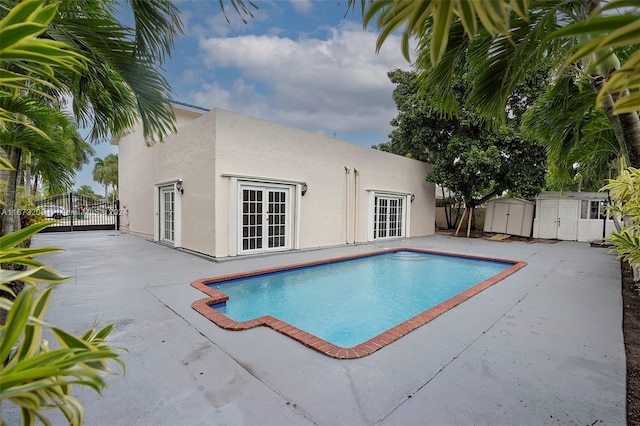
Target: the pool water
(349, 302)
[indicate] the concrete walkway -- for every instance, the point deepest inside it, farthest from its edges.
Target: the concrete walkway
(543, 346)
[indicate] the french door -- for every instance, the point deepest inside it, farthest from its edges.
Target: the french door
(265, 216)
(167, 214)
(388, 217)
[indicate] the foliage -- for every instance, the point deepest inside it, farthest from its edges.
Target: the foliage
(14, 254)
(56, 154)
(122, 81)
(22, 48)
(507, 24)
(625, 193)
(86, 191)
(605, 30)
(105, 172)
(34, 376)
(582, 140)
(475, 162)
(29, 212)
(582, 147)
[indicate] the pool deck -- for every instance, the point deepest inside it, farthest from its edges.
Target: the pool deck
(542, 346)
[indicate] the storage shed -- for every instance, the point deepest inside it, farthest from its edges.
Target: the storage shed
(512, 216)
(572, 216)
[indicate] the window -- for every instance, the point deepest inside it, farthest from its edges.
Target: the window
(388, 217)
(593, 209)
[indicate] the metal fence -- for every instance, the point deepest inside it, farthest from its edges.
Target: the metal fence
(79, 213)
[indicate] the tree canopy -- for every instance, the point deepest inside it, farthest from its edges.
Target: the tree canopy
(470, 159)
(597, 28)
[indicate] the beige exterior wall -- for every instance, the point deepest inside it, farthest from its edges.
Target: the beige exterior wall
(254, 147)
(139, 170)
(218, 150)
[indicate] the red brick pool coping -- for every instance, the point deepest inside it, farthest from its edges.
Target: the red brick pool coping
(203, 306)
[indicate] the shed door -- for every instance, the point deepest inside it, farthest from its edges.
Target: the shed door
(568, 219)
(548, 219)
(500, 219)
(515, 217)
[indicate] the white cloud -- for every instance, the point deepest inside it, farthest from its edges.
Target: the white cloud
(337, 84)
(217, 22)
(302, 6)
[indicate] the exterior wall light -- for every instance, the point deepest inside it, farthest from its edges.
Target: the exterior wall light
(305, 187)
(413, 197)
(179, 186)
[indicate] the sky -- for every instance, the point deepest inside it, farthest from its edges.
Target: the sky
(303, 63)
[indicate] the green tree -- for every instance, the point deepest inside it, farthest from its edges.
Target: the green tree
(32, 375)
(55, 154)
(471, 160)
(111, 173)
(105, 172)
(35, 376)
(538, 37)
(600, 29)
(99, 174)
(58, 179)
(625, 193)
(86, 191)
(583, 150)
(121, 82)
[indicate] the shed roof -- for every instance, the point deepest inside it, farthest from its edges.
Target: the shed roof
(572, 195)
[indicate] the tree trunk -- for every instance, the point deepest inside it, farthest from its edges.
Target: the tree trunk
(626, 127)
(447, 214)
(631, 127)
(27, 174)
(4, 174)
(34, 190)
(461, 220)
(9, 222)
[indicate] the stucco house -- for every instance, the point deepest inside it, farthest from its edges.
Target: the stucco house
(226, 184)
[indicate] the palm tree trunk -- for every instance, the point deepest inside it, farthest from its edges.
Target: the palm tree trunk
(631, 126)
(9, 222)
(608, 105)
(34, 190)
(27, 174)
(626, 127)
(4, 174)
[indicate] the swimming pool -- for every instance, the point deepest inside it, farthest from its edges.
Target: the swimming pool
(350, 307)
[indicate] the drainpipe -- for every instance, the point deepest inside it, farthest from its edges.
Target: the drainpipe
(355, 205)
(346, 204)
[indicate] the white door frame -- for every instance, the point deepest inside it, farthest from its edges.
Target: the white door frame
(568, 214)
(177, 212)
(563, 223)
(406, 213)
(548, 228)
(293, 191)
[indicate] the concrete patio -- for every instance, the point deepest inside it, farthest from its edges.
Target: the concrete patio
(543, 346)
